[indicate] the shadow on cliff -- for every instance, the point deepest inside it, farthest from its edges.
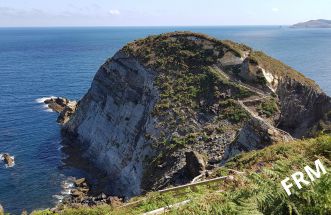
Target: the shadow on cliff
(81, 167)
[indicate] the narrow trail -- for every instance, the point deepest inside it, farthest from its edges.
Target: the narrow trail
(253, 114)
(260, 96)
(264, 95)
(191, 186)
(233, 79)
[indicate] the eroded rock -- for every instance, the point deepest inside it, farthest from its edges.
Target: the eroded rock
(256, 134)
(64, 106)
(9, 160)
(67, 112)
(114, 201)
(57, 104)
(195, 163)
(80, 182)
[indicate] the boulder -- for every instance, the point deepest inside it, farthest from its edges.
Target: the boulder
(114, 201)
(256, 134)
(76, 193)
(8, 159)
(63, 106)
(84, 190)
(195, 163)
(55, 107)
(57, 104)
(59, 100)
(101, 197)
(79, 182)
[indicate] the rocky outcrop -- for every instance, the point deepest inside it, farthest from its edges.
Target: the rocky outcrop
(67, 112)
(56, 104)
(80, 196)
(81, 182)
(195, 163)
(303, 105)
(63, 106)
(256, 134)
(9, 160)
(161, 97)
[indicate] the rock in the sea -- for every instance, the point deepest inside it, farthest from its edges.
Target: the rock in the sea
(64, 106)
(195, 163)
(57, 104)
(9, 161)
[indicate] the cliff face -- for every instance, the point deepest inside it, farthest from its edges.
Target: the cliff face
(303, 108)
(112, 119)
(176, 93)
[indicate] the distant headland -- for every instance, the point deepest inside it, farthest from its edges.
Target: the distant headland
(319, 23)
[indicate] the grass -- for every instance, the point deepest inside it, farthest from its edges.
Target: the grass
(256, 192)
(268, 107)
(234, 112)
(279, 69)
(260, 192)
(190, 89)
(187, 83)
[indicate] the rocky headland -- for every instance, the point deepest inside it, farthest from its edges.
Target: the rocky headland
(81, 195)
(319, 23)
(168, 108)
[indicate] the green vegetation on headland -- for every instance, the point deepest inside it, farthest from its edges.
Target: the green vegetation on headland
(188, 83)
(258, 191)
(279, 69)
(207, 90)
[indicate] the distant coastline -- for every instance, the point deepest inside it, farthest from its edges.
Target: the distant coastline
(319, 23)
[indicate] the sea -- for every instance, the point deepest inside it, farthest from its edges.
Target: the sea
(37, 63)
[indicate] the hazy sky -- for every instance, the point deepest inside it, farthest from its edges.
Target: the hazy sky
(160, 12)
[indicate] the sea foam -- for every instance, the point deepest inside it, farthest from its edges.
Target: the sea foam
(45, 106)
(67, 185)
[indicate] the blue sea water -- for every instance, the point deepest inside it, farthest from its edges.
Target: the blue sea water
(43, 62)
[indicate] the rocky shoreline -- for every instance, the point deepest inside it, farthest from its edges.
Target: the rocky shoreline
(81, 196)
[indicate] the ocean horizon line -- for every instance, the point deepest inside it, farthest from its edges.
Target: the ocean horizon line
(141, 26)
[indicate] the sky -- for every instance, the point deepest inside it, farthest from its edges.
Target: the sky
(25, 13)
